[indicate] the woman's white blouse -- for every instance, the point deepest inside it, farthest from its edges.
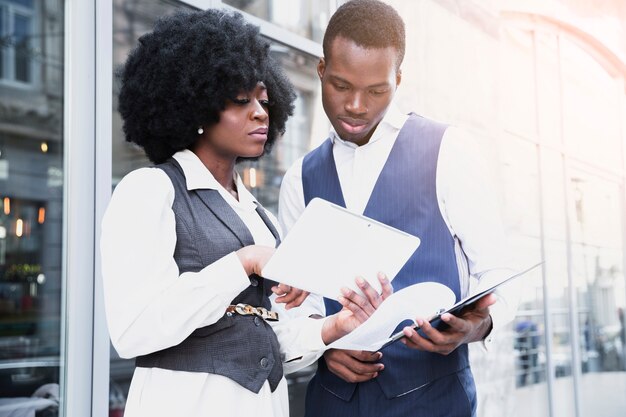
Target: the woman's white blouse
(151, 306)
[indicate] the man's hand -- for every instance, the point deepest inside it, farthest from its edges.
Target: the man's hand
(472, 325)
(354, 365)
(291, 296)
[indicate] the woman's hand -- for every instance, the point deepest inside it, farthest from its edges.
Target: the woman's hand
(254, 257)
(291, 296)
(356, 308)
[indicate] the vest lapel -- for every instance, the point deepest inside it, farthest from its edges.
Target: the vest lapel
(214, 202)
(322, 162)
(388, 175)
(268, 223)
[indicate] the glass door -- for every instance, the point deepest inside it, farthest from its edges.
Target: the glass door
(31, 205)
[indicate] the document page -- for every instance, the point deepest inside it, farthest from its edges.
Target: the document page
(425, 300)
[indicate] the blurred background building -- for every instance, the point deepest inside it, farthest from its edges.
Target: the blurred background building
(540, 83)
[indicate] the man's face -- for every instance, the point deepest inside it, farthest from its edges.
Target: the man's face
(358, 85)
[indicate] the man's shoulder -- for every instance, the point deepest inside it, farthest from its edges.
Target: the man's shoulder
(422, 121)
(294, 172)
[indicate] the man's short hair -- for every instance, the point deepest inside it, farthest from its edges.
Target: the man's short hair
(369, 24)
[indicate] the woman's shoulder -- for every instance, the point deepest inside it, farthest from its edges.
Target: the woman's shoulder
(144, 177)
(148, 183)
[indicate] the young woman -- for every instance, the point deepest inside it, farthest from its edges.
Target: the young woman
(183, 242)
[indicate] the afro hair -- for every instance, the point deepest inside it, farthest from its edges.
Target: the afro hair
(181, 75)
(369, 24)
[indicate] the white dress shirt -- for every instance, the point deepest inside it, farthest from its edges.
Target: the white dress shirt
(151, 306)
(464, 193)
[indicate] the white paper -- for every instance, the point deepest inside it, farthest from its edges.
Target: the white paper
(329, 246)
(424, 299)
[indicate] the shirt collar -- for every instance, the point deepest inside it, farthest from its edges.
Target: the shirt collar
(197, 177)
(391, 122)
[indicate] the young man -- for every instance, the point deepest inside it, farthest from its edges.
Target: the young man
(416, 175)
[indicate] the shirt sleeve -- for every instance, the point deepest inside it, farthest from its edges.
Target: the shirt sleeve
(469, 203)
(149, 305)
(300, 338)
(299, 334)
(291, 197)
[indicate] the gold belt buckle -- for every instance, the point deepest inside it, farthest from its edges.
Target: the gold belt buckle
(248, 310)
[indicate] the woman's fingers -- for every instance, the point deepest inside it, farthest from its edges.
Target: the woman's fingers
(385, 284)
(373, 297)
(359, 305)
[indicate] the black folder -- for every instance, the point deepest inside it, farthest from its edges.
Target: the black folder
(457, 308)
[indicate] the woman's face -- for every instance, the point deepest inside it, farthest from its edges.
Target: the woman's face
(243, 126)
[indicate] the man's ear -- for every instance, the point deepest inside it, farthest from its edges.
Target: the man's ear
(321, 67)
(398, 77)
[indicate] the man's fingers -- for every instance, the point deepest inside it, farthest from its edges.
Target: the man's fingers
(348, 375)
(347, 366)
(413, 340)
(365, 356)
(435, 336)
(486, 301)
(281, 289)
(292, 297)
(297, 300)
(432, 339)
(455, 322)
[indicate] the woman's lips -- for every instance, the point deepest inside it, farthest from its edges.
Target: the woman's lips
(260, 133)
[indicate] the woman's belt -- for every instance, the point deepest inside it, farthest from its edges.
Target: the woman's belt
(248, 310)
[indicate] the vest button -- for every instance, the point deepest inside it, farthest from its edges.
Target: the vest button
(264, 362)
(254, 282)
(257, 321)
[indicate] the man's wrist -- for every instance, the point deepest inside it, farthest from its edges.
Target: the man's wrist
(488, 327)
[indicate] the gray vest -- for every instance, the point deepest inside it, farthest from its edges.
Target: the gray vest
(242, 348)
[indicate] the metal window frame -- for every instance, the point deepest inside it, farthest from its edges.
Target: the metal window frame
(87, 166)
(268, 29)
(103, 186)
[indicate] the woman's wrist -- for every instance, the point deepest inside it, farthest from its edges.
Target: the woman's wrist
(331, 330)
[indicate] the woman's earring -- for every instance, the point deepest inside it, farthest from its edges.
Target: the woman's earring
(200, 130)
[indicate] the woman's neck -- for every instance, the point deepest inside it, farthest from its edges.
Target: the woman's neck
(222, 169)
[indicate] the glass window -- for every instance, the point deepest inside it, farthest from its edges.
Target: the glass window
(591, 109)
(31, 213)
(548, 88)
(597, 268)
(17, 43)
(306, 18)
(22, 34)
(25, 3)
(517, 87)
(520, 176)
(3, 40)
(132, 18)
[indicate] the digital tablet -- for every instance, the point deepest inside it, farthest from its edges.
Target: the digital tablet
(329, 246)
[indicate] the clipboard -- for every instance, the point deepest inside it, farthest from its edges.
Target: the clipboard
(329, 246)
(457, 308)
